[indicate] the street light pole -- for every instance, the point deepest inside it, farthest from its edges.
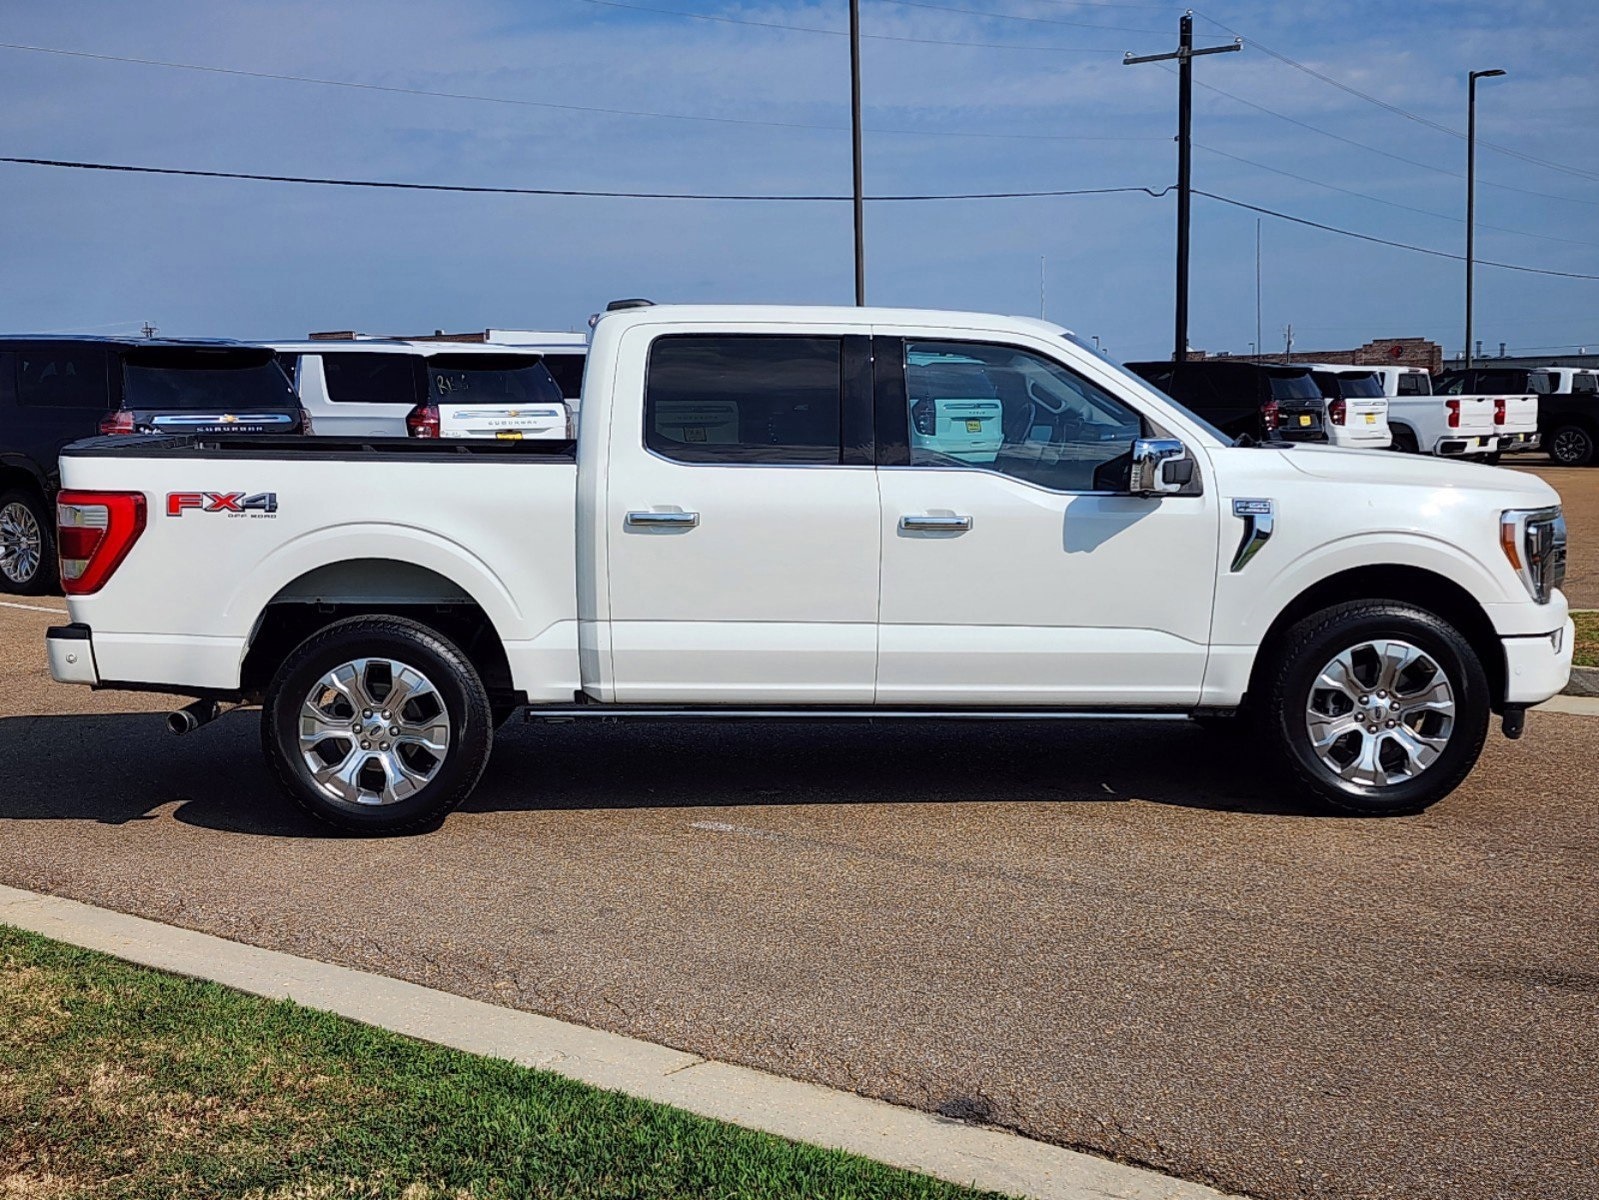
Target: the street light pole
(1471, 190)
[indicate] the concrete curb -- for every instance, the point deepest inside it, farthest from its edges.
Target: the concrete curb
(901, 1137)
(1584, 682)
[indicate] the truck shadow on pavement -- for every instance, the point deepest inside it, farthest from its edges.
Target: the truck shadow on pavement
(118, 768)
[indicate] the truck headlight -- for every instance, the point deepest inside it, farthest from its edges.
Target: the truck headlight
(1534, 540)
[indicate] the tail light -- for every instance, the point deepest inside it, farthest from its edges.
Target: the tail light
(94, 532)
(1454, 413)
(307, 426)
(1270, 416)
(1336, 410)
(1499, 410)
(423, 421)
(119, 421)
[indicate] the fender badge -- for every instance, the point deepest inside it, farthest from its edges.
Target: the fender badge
(1260, 520)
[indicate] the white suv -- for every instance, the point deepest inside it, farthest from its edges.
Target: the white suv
(395, 388)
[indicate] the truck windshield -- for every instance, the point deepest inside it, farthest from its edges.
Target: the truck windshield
(491, 379)
(241, 380)
(1289, 384)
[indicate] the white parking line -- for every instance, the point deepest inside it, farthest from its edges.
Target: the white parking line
(60, 612)
(902, 1137)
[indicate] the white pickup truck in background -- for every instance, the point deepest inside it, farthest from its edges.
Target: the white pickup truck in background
(1424, 423)
(829, 513)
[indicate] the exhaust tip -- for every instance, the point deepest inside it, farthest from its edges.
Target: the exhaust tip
(191, 717)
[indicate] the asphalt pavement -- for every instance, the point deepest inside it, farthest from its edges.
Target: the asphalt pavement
(1112, 936)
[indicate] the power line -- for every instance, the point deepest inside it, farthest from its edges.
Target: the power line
(1414, 162)
(1579, 172)
(1426, 212)
(357, 85)
(1368, 237)
(525, 191)
(878, 37)
(994, 16)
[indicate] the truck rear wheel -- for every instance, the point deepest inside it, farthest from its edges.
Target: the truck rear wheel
(377, 725)
(1571, 446)
(1376, 707)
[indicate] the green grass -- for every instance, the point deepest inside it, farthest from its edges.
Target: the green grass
(1585, 653)
(118, 1081)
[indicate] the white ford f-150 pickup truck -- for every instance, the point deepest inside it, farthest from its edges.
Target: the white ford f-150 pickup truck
(821, 512)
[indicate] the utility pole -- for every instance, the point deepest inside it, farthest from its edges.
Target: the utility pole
(1258, 342)
(1185, 55)
(1288, 342)
(855, 130)
(1471, 192)
(1043, 265)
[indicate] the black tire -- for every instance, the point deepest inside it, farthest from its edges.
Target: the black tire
(1404, 441)
(456, 690)
(1301, 654)
(1570, 445)
(1492, 460)
(30, 509)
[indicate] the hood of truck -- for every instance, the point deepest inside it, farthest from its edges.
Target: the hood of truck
(1385, 467)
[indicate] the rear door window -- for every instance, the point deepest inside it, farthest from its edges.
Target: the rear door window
(371, 378)
(745, 399)
(63, 377)
(1585, 383)
(490, 379)
(182, 378)
(1415, 385)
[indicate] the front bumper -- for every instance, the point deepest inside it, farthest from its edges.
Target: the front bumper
(1538, 667)
(71, 651)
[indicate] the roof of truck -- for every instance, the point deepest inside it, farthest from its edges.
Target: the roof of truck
(805, 314)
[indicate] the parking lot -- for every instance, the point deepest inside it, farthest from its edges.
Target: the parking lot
(1103, 934)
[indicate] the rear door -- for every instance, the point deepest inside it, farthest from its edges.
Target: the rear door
(205, 389)
(740, 518)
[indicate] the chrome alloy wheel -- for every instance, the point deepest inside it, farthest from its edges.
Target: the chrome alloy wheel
(373, 731)
(21, 543)
(1380, 713)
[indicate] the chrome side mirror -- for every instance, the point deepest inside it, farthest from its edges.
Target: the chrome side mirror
(1160, 467)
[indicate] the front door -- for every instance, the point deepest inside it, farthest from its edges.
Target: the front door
(1017, 570)
(741, 521)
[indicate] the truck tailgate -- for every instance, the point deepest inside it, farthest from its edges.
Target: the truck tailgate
(1521, 414)
(1471, 416)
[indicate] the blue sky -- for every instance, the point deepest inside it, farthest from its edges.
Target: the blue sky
(97, 252)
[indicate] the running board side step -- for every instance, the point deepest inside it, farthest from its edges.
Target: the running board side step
(717, 713)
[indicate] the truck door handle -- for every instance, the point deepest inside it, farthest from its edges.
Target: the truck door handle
(662, 520)
(928, 524)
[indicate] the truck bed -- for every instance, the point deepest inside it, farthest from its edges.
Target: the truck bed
(235, 527)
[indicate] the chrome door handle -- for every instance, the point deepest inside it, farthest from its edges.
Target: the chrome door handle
(662, 520)
(926, 524)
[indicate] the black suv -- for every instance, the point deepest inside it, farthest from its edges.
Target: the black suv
(55, 390)
(1262, 400)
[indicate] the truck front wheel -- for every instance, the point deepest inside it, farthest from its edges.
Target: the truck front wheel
(1376, 707)
(377, 725)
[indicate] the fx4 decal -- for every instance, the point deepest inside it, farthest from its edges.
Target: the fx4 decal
(234, 504)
